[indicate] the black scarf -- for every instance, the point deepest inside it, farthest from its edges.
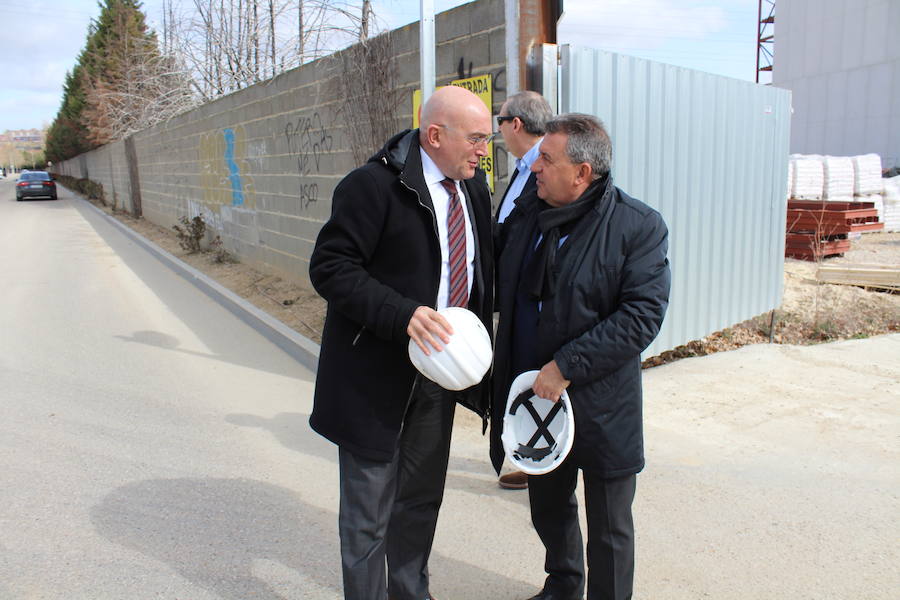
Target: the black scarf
(554, 223)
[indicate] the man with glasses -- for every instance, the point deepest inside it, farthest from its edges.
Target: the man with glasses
(522, 122)
(409, 233)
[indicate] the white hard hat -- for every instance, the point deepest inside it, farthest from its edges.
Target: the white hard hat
(537, 433)
(464, 360)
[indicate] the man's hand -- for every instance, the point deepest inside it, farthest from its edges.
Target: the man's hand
(550, 382)
(425, 325)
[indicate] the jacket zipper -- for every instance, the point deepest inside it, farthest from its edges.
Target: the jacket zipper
(438, 236)
(412, 391)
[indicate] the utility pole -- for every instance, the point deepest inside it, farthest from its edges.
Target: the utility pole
(426, 48)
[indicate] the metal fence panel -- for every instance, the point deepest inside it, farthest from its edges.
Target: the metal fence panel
(711, 154)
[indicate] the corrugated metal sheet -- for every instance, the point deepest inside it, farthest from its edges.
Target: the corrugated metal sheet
(711, 154)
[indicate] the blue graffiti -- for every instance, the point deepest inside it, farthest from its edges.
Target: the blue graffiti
(237, 193)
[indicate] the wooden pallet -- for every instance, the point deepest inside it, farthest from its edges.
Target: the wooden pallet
(820, 205)
(806, 246)
(885, 277)
(818, 229)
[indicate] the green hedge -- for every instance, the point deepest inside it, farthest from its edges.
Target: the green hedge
(86, 187)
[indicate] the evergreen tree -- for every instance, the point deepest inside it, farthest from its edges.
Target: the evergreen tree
(121, 84)
(67, 136)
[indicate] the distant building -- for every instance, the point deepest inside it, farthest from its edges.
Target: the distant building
(841, 60)
(24, 139)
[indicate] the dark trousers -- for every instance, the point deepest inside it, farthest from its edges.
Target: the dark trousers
(389, 510)
(610, 547)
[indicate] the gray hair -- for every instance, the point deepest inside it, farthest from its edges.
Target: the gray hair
(532, 109)
(588, 141)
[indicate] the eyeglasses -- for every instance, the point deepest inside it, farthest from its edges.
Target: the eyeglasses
(475, 140)
(501, 119)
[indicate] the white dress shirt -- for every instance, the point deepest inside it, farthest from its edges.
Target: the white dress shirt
(441, 201)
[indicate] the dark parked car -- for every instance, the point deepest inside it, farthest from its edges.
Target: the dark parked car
(35, 184)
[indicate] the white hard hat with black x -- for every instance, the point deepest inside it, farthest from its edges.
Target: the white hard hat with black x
(537, 432)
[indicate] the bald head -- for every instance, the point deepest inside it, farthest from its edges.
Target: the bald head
(451, 119)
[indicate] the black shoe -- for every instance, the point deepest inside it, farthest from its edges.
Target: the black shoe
(516, 480)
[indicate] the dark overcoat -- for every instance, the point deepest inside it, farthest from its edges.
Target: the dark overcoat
(611, 295)
(375, 261)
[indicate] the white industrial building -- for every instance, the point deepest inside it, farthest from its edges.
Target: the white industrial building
(841, 61)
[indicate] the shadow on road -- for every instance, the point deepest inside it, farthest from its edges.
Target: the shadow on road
(165, 341)
(292, 431)
(225, 535)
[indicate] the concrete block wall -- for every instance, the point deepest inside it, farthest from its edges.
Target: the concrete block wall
(107, 166)
(261, 164)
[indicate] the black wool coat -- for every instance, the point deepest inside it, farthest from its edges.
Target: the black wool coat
(611, 296)
(375, 261)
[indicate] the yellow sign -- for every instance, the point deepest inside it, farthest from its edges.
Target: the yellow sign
(481, 87)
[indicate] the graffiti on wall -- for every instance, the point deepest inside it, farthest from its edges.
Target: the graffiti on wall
(224, 169)
(497, 77)
(307, 140)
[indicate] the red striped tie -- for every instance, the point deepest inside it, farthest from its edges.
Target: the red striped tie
(456, 240)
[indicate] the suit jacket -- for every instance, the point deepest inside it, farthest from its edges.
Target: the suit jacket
(500, 228)
(376, 260)
(612, 291)
(530, 186)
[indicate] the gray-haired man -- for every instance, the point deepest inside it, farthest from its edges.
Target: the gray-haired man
(522, 122)
(583, 285)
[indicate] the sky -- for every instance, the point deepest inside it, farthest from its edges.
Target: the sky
(717, 37)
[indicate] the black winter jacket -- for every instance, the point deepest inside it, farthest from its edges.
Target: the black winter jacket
(612, 293)
(376, 260)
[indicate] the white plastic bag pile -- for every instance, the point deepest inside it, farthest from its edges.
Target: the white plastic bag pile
(867, 185)
(808, 177)
(890, 214)
(790, 185)
(838, 171)
(866, 175)
(835, 178)
(846, 179)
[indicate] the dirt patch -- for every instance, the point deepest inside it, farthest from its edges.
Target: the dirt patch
(810, 313)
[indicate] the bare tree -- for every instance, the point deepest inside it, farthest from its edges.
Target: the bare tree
(226, 46)
(368, 93)
(151, 89)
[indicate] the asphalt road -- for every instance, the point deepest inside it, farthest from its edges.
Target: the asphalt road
(152, 445)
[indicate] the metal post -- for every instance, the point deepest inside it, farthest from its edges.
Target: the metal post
(426, 48)
(511, 11)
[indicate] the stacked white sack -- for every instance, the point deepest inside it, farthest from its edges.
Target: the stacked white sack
(809, 177)
(790, 181)
(891, 200)
(838, 178)
(866, 174)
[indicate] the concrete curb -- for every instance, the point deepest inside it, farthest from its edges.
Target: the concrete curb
(300, 348)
